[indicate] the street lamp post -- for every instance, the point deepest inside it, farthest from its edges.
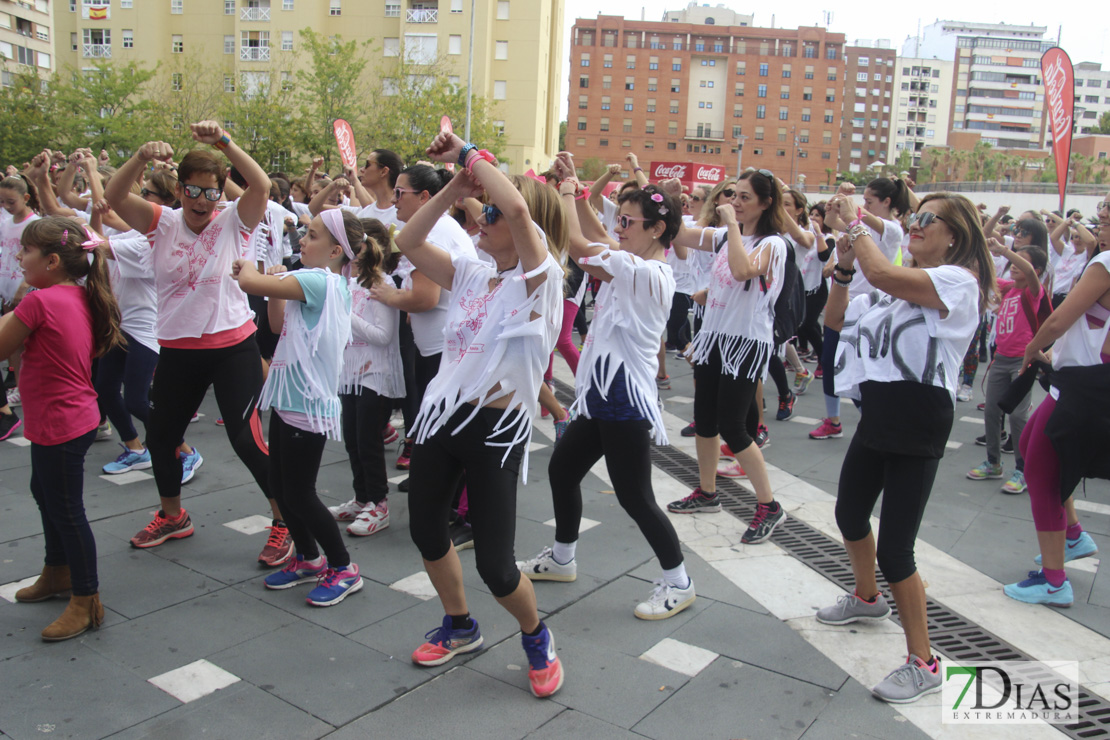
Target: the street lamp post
(470, 71)
(740, 152)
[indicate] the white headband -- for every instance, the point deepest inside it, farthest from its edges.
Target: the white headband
(333, 221)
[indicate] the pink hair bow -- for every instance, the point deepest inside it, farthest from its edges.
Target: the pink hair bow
(532, 174)
(92, 241)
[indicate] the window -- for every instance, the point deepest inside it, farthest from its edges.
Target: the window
(391, 47)
(861, 77)
(676, 65)
(390, 87)
(784, 92)
(741, 68)
(1094, 83)
(653, 63)
(501, 50)
(830, 95)
(628, 104)
(806, 114)
(783, 113)
(604, 124)
(629, 83)
(626, 126)
(177, 7)
(392, 9)
(651, 105)
(125, 4)
(803, 136)
(864, 61)
(585, 61)
(653, 84)
(809, 73)
(607, 62)
(421, 48)
(759, 133)
(674, 106)
(672, 127)
(675, 86)
(606, 82)
(177, 44)
(603, 142)
(286, 4)
(786, 71)
(336, 7)
(175, 82)
(828, 116)
(830, 53)
(456, 6)
(738, 110)
(583, 101)
(826, 137)
(583, 81)
(286, 81)
(810, 52)
(832, 75)
(229, 83)
(229, 7)
(502, 10)
(128, 38)
(807, 93)
(287, 41)
(671, 145)
(499, 89)
(761, 91)
(229, 44)
(581, 123)
(649, 127)
(761, 111)
(630, 62)
(764, 70)
(1090, 98)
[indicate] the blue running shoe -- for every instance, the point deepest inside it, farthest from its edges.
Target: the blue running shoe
(1037, 590)
(295, 572)
(1081, 547)
(444, 643)
(128, 460)
(335, 586)
(545, 671)
(190, 464)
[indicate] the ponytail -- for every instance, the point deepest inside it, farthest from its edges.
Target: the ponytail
(372, 261)
(894, 189)
(103, 307)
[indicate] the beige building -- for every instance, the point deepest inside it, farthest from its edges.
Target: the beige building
(25, 38)
(923, 106)
(517, 46)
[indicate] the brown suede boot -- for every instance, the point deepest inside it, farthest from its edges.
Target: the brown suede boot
(53, 581)
(82, 613)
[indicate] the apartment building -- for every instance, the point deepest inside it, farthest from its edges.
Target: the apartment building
(673, 91)
(25, 38)
(517, 46)
(1092, 95)
(868, 103)
(922, 106)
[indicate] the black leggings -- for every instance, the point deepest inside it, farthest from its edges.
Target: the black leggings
(723, 404)
(294, 463)
(678, 323)
(905, 482)
(180, 382)
(810, 330)
(131, 368)
(410, 405)
(437, 465)
(365, 414)
(778, 374)
(828, 361)
(626, 447)
(266, 338)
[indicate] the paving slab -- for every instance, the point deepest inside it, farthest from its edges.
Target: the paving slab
(136, 582)
(572, 724)
(708, 582)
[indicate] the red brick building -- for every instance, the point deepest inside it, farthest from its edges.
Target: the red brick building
(868, 105)
(689, 92)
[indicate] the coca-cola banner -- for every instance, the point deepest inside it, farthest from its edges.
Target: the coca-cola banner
(1059, 85)
(691, 174)
(345, 138)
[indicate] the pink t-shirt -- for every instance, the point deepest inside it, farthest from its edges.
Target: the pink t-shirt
(197, 298)
(1014, 331)
(55, 380)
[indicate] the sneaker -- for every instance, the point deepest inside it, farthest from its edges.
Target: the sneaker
(1082, 546)
(371, 520)
(349, 511)
(196, 417)
(1037, 590)
(163, 528)
(219, 421)
(851, 608)
(295, 572)
(730, 469)
(762, 437)
(389, 434)
(404, 459)
(1016, 484)
(819, 373)
(981, 440)
(827, 430)
(462, 536)
(13, 397)
(726, 451)
(963, 394)
(985, 470)
(444, 643)
(910, 682)
(403, 486)
(279, 546)
(763, 524)
(786, 407)
(665, 601)
(664, 383)
(1008, 444)
(981, 406)
(336, 585)
(190, 464)
(544, 567)
(689, 430)
(561, 427)
(9, 423)
(698, 501)
(103, 432)
(801, 382)
(128, 460)
(545, 672)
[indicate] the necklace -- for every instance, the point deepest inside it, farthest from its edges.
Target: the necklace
(494, 282)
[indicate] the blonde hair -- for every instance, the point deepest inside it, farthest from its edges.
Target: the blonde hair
(969, 244)
(708, 215)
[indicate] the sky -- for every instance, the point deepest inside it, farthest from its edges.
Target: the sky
(1083, 30)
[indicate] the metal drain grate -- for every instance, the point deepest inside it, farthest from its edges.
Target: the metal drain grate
(951, 633)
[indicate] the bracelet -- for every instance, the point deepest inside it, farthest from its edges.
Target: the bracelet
(637, 169)
(466, 150)
(855, 223)
(842, 271)
(583, 195)
(856, 232)
(842, 283)
(223, 142)
(480, 154)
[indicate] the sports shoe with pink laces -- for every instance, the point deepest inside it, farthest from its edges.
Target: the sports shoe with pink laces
(279, 546)
(827, 430)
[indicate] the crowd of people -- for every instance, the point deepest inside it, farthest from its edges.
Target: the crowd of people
(441, 289)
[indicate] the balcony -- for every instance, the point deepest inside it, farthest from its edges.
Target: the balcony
(254, 54)
(97, 51)
(422, 15)
(254, 14)
(705, 133)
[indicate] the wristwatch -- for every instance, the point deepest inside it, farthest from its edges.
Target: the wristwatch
(467, 149)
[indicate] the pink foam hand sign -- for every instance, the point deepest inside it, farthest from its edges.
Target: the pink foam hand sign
(345, 138)
(1059, 84)
(445, 127)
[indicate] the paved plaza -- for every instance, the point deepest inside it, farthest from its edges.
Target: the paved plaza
(193, 646)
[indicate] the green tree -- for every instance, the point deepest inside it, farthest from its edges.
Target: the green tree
(258, 115)
(562, 136)
(1103, 126)
(330, 86)
(186, 90)
(591, 168)
(105, 107)
(30, 118)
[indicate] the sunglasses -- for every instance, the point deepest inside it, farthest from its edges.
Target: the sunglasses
(924, 219)
(399, 191)
(626, 221)
(194, 191)
(491, 214)
(696, 199)
(766, 173)
(729, 193)
(145, 192)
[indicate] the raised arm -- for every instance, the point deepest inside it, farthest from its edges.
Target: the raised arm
(596, 192)
(252, 204)
(801, 236)
(992, 224)
(65, 182)
(1093, 287)
(37, 173)
(1058, 233)
(133, 209)
(358, 192)
(319, 201)
(432, 261)
(1017, 262)
(581, 246)
(636, 169)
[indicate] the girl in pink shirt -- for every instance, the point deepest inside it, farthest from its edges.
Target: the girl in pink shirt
(61, 326)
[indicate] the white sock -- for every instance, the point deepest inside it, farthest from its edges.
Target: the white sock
(563, 552)
(315, 563)
(677, 577)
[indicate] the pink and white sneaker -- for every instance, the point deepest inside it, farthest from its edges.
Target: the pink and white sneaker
(349, 510)
(370, 520)
(827, 430)
(730, 469)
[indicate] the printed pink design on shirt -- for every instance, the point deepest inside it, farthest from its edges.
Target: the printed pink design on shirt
(475, 308)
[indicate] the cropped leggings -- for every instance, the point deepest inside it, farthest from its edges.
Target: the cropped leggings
(905, 482)
(180, 382)
(1042, 471)
(723, 403)
(626, 446)
(437, 466)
